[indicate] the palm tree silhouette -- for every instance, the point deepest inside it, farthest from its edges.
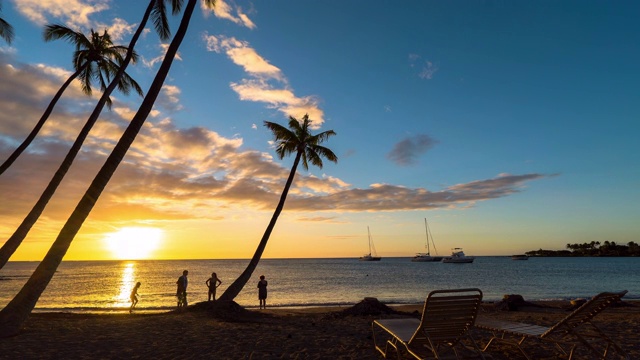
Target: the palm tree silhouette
(297, 139)
(6, 30)
(95, 58)
(18, 309)
(156, 10)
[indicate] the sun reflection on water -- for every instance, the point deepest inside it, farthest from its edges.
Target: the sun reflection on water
(126, 285)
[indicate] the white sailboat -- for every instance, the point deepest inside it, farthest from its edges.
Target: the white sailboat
(426, 257)
(369, 257)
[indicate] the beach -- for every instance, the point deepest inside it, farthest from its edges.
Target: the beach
(276, 333)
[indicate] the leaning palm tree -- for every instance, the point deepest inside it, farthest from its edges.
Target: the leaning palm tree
(6, 30)
(18, 309)
(297, 139)
(157, 12)
(95, 59)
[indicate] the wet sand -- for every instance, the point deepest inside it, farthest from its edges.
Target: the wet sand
(236, 333)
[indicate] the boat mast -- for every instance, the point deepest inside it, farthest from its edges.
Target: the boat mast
(426, 230)
(369, 233)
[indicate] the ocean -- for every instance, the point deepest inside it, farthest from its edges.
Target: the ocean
(104, 286)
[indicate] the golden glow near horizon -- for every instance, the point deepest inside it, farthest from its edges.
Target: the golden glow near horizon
(134, 243)
(126, 285)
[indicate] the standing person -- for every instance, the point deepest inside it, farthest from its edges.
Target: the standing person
(182, 289)
(262, 292)
(134, 296)
(211, 284)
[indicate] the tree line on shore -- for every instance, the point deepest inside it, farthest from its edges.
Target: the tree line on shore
(594, 248)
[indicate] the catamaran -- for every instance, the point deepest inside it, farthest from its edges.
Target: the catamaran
(426, 257)
(369, 257)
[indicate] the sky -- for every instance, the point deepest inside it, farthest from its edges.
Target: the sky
(509, 125)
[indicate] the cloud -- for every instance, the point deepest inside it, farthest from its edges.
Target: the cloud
(223, 10)
(241, 54)
(426, 69)
(174, 173)
(120, 28)
(160, 57)
(385, 197)
(260, 87)
(169, 98)
(406, 151)
(74, 13)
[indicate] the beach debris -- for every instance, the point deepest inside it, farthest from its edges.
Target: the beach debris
(368, 306)
(512, 302)
(225, 310)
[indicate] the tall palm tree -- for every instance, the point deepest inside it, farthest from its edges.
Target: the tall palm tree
(18, 309)
(6, 30)
(157, 12)
(297, 139)
(94, 59)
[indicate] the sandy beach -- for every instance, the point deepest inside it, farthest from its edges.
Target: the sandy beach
(308, 333)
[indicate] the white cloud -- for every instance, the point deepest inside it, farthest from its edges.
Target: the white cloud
(74, 13)
(426, 69)
(241, 54)
(160, 58)
(223, 10)
(259, 87)
(120, 28)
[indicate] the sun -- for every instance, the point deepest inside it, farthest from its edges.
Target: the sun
(134, 243)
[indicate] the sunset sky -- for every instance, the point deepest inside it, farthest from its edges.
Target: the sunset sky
(510, 125)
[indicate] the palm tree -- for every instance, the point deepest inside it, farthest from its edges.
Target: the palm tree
(18, 309)
(157, 12)
(94, 59)
(297, 139)
(6, 30)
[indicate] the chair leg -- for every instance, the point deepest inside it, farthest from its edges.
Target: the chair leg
(517, 344)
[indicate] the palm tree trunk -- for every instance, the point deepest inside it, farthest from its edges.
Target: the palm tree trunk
(12, 244)
(234, 289)
(17, 311)
(43, 119)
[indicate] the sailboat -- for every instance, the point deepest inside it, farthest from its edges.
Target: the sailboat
(426, 257)
(369, 257)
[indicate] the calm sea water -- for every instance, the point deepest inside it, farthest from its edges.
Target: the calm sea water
(104, 286)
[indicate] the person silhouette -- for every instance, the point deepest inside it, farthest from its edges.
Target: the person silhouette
(181, 293)
(212, 283)
(262, 292)
(134, 296)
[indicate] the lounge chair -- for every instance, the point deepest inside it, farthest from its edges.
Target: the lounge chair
(575, 329)
(447, 317)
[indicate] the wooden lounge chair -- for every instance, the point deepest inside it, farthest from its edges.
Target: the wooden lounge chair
(447, 317)
(575, 329)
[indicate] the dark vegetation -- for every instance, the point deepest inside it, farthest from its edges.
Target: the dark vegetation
(594, 248)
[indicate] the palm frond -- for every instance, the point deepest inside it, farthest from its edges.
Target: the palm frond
(57, 31)
(325, 153)
(159, 19)
(130, 83)
(6, 31)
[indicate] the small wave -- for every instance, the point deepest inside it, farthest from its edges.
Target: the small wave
(13, 277)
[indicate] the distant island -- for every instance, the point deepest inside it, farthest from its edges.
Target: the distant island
(594, 248)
